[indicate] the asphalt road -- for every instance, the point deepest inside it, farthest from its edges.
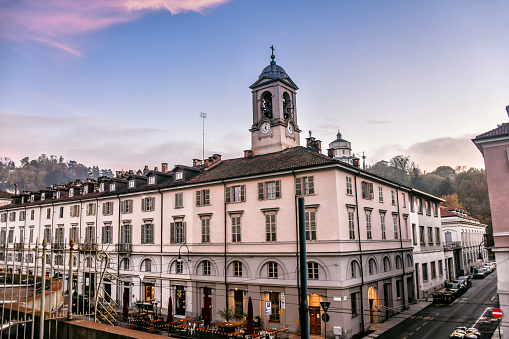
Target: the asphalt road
(472, 309)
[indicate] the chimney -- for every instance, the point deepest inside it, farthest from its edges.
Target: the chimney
(313, 144)
(330, 153)
(145, 170)
(356, 162)
(215, 158)
(248, 153)
(197, 162)
(164, 167)
(156, 169)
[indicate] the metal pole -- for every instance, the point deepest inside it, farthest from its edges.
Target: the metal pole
(303, 307)
(43, 290)
(499, 334)
(70, 281)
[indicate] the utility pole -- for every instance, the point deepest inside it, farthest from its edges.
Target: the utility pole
(203, 116)
(303, 305)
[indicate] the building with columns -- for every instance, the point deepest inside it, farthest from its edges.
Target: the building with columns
(213, 234)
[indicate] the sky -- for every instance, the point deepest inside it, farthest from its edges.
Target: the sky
(121, 83)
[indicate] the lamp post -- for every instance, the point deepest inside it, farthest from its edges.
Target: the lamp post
(179, 259)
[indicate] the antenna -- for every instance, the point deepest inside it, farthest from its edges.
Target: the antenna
(203, 116)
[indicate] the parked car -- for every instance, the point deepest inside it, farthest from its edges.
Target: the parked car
(443, 297)
(467, 279)
(456, 288)
(490, 266)
(479, 273)
(82, 305)
(463, 285)
(486, 269)
(458, 333)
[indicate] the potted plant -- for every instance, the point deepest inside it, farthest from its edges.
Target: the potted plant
(226, 313)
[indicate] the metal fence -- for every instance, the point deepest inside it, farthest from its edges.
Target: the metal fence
(63, 280)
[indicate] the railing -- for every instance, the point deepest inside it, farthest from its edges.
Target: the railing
(19, 245)
(88, 246)
(452, 244)
(125, 248)
(58, 246)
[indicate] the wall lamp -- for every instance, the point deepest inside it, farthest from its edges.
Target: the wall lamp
(179, 259)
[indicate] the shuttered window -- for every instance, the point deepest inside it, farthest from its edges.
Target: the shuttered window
(305, 185)
(147, 204)
(179, 200)
(203, 197)
(269, 190)
(235, 194)
(270, 227)
(205, 230)
(367, 190)
(310, 222)
(147, 233)
(126, 206)
(178, 232)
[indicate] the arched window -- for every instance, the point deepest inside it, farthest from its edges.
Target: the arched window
(126, 264)
(409, 261)
(287, 106)
(266, 104)
(387, 264)
(398, 262)
(88, 262)
(371, 266)
(354, 269)
(146, 265)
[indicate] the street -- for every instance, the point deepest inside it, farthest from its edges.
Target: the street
(473, 309)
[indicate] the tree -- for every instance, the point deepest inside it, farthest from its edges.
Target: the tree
(445, 172)
(451, 200)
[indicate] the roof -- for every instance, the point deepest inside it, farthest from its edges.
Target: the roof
(5, 195)
(501, 130)
(288, 159)
(455, 212)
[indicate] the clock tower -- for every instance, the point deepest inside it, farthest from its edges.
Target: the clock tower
(274, 111)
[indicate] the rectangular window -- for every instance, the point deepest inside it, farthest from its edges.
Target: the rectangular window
(22, 235)
(74, 211)
(396, 228)
(147, 204)
(274, 302)
(31, 235)
(22, 216)
(367, 190)
(414, 235)
(90, 235)
(125, 234)
(310, 223)
(430, 235)
(305, 185)
(151, 180)
(353, 304)
(126, 206)
(3, 239)
(313, 270)
(399, 284)
(269, 190)
(421, 206)
(91, 208)
(393, 197)
(349, 189)
(177, 232)
(108, 208)
(179, 175)
(382, 222)
(236, 229)
(237, 269)
(428, 207)
(422, 236)
(272, 270)
(206, 267)
(32, 215)
(179, 200)
(403, 200)
(424, 272)
(205, 230)
(179, 268)
(433, 270)
(412, 206)
(437, 235)
(11, 236)
(3, 217)
(12, 216)
(380, 194)
(131, 183)
(270, 227)
(440, 268)
(74, 234)
(368, 225)
(203, 197)
(60, 235)
(107, 236)
(351, 224)
(235, 193)
(435, 209)
(147, 233)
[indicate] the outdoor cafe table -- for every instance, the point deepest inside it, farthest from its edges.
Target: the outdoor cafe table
(227, 327)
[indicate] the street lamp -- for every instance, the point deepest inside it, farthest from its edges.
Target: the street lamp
(179, 259)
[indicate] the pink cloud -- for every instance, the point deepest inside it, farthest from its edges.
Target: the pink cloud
(55, 21)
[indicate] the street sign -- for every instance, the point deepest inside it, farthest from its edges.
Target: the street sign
(268, 308)
(325, 305)
(497, 313)
(325, 317)
(282, 299)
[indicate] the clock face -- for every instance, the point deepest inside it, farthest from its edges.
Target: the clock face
(265, 127)
(289, 128)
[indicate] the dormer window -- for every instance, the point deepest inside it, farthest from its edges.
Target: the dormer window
(131, 183)
(71, 192)
(43, 195)
(32, 197)
(112, 187)
(179, 176)
(58, 194)
(101, 187)
(85, 189)
(151, 180)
